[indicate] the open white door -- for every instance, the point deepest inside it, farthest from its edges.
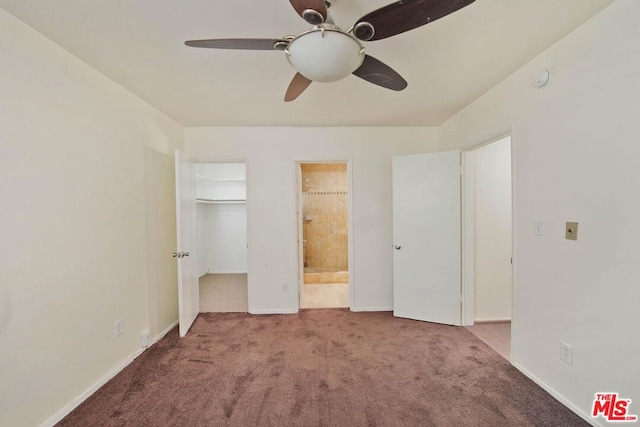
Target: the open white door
(426, 233)
(188, 287)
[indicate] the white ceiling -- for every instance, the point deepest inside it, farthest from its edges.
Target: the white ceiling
(448, 63)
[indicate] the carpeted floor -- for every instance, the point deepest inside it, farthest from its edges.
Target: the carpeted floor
(320, 368)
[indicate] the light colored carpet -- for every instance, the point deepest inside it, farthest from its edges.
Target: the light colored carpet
(223, 293)
(325, 295)
(495, 335)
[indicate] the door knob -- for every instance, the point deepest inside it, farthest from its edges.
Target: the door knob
(398, 247)
(185, 254)
(175, 255)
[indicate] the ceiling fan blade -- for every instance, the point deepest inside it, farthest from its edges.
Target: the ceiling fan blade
(380, 74)
(248, 44)
(405, 15)
(298, 85)
(312, 11)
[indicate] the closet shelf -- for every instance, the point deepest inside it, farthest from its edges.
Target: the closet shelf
(219, 201)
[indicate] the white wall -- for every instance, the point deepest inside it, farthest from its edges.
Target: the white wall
(492, 231)
(227, 238)
(271, 154)
(576, 150)
(160, 197)
(222, 238)
(73, 222)
(222, 227)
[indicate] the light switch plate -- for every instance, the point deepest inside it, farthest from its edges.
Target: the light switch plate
(571, 231)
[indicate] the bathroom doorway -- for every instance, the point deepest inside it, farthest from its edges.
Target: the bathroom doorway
(323, 234)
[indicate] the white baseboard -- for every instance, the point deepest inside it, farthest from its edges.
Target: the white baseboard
(362, 309)
(165, 332)
(290, 311)
(102, 381)
(558, 396)
(84, 396)
(226, 272)
(493, 320)
(275, 311)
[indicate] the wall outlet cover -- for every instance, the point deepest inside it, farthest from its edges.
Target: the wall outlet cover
(145, 338)
(119, 327)
(566, 353)
(538, 228)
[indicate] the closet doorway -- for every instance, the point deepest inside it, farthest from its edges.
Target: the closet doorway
(221, 196)
(323, 234)
(488, 248)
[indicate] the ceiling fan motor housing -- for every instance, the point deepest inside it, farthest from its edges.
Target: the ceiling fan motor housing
(325, 54)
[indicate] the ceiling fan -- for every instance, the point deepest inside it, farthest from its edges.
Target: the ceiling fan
(326, 53)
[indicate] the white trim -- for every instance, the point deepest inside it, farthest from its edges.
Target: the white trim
(566, 402)
(494, 320)
(365, 309)
(66, 410)
(350, 226)
(350, 238)
(247, 162)
(227, 272)
(514, 177)
(274, 311)
(165, 332)
(84, 396)
(468, 252)
(300, 233)
(249, 282)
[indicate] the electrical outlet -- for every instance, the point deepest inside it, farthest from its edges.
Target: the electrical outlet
(285, 286)
(145, 338)
(566, 353)
(119, 327)
(538, 228)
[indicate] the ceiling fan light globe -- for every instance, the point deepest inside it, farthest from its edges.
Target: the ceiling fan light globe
(325, 55)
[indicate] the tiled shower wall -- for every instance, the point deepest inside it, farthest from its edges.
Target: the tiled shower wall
(325, 206)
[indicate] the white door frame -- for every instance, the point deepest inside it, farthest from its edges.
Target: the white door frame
(204, 159)
(298, 224)
(468, 258)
